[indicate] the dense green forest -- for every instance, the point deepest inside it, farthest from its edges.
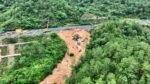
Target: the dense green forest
(118, 53)
(29, 14)
(37, 60)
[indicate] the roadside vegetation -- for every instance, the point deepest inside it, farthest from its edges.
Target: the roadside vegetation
(37, 60)
(33, 14)
(118, 53)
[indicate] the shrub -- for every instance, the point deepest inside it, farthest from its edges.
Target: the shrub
(118, 53)
(37, 60)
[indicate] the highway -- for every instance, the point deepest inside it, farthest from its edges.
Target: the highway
(57, 29)
(41, 31)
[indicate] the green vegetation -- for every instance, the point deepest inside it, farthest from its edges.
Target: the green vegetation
(118, 53)
(37, 60)
(116, 8)
(33, 14)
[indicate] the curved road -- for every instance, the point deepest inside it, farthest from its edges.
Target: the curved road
(41, 31)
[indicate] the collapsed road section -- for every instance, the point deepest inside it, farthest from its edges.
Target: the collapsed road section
(76, 41)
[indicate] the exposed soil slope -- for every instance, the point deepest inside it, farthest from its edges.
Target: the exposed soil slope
(64, 68)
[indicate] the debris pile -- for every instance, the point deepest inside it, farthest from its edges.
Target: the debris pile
(76, 41)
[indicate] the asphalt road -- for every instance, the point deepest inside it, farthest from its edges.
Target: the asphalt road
(41, 31)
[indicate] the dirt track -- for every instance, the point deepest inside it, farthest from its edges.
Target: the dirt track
(64, 69)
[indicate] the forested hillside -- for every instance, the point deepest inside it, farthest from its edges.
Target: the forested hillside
(29, 14)
(118, 53)
(37, 60)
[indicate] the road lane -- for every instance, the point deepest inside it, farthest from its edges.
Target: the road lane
(41, 31)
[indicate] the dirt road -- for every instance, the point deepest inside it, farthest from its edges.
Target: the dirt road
(64, 69)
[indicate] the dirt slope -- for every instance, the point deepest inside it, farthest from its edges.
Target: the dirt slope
(63, 69)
